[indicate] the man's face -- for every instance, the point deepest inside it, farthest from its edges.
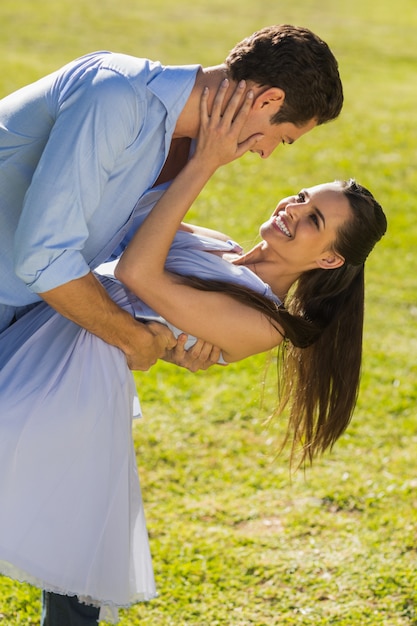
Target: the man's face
(259, 121)
(275, 134)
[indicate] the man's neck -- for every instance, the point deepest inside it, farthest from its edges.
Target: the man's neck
(189, 120)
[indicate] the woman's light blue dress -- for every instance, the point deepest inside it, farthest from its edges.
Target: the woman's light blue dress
(71, 514)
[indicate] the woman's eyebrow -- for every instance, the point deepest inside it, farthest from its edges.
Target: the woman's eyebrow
(321, 216)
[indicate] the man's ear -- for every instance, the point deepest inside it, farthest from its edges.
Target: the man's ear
(270, 96)
(330, 261)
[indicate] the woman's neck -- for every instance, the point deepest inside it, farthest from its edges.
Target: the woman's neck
(277, 276)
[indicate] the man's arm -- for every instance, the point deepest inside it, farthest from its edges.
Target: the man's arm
(86, 302)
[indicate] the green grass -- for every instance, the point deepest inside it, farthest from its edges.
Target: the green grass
(236, 540)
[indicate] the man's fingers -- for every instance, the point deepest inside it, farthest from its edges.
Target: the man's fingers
(203, 356)
(164, 335)
(198, 349)
(208, 353)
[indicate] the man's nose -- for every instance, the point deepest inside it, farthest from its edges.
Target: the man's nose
(267, 150)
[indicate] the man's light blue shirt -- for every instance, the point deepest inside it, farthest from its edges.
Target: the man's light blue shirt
(78, 148)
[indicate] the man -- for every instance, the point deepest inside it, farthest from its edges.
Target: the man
(79, 147)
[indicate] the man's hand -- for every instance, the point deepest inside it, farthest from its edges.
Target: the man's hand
(200, 356)
(86, 302)
(153, 341)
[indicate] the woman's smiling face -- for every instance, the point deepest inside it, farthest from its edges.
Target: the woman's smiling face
(303, 228)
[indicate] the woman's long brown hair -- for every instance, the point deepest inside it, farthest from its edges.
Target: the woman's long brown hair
(320, 363)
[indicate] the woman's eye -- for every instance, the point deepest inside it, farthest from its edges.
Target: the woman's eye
(315, 219)
(301, 197)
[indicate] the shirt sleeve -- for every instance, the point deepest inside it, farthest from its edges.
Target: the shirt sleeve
(96, 119)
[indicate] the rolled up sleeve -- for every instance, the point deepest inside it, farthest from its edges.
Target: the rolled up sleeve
(96, 119)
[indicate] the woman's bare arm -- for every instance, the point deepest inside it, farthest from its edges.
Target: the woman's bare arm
(238, 330)
(214, 317)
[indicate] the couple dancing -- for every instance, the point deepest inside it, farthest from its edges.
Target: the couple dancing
(71, 520)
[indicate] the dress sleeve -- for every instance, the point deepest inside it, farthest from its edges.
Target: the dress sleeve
(95, 120)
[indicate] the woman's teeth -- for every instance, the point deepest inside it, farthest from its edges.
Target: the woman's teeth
(281, 225)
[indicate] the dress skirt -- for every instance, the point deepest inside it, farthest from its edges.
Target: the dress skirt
(71, 513)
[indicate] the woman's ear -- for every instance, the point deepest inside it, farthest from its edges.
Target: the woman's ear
(271, 96)
(330, 261)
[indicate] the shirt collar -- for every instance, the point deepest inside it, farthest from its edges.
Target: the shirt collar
(173, 86)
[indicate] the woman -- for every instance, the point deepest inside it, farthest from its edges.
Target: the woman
(317, 241)
(67, 397)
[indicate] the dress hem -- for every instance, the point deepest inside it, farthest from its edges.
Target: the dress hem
(108, 609)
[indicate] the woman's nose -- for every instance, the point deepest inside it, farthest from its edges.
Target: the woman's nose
(293, 209)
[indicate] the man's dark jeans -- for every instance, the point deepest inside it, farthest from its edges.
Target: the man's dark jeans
(60, 610)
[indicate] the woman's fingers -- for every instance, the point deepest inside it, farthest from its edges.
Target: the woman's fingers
(217, 108)
(235, 109)
(204, 115)
(236, 106)
(222, 128)
(247, 144)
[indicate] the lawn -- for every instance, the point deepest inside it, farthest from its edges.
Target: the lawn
(236, 539)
